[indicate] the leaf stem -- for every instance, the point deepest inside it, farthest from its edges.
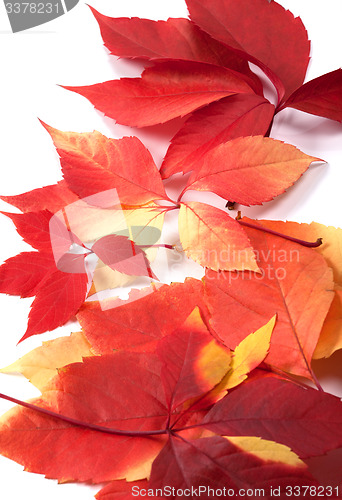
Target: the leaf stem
(309, 244)
(85, 425)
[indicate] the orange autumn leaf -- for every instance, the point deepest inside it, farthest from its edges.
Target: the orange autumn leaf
(213, 239)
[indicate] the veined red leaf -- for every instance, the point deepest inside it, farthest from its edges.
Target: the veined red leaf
(121, 254)
(33, 227)
(263, 32)
(93, 163)
(178, 39)
(216, 463)
(193, 362)
(122, 490)
(51, 198)
(165, 91)
(214, 239)
(295, 283)
(20, 275)
(121, 391)
(321, 96)
(58, 298)
(250, 170)
(281, 411)
(141, 322)
(235, 116)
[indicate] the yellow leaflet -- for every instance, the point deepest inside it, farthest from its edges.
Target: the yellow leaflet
(41, 364)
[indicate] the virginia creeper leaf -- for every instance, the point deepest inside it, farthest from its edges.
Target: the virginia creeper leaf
(93, 163)
(121, 390)
(121, 254)
(321, 96)
(41, 364)
(330, 339)
(33, 227)
(192, 363)
(235, 116)
(51, 198)
(295, 283)
(261, 31)
(165, 91)
(214, 239)
(136, 324)
(219, 464)
(172, 39)
(250, 170)
(249, 354)
(20, 275)
(58, 298)
(281, 411)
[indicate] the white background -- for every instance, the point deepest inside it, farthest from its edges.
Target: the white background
(69, 51)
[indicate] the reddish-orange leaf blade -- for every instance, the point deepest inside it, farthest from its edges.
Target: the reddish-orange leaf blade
(219, 122)
(216, 463)
(34, 228)
(306, 420)
(58, 298)
(51, 198)
(295, 283)
(20, 275)
(135, 324)
(121, 391)
(193, 362)
(93, 163)
(213, 239)
(330, 339)
(164, 92)
(178, 39)
(250, 170)
(263, 32)
(121, 254)
(122, 490)
(321, 96)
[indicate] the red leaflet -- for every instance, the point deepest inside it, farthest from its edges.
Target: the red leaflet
(261, 31)
(33, 227)
(140, 323)
(219, 122)
(93, 163)
(166, 91)
(172, 39)
(234, 169)
(295, 283)
(51, 198)
(58, 298)
(282, 411)
(218, 464)
(121, 254)
(321, 96)
(20, 275)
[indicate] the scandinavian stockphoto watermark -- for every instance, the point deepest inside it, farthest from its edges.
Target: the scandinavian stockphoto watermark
(120, 250)
(23, 14)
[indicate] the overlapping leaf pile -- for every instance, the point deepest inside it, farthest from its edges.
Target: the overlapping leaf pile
(172, 388)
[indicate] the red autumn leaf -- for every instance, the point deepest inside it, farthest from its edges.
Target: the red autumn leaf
(140, 323)
(165, 91)
(216, 463)
(58, 298)
(92, 163)
(123, 255)
(219, 122)
(321, 96)
(121, 490)
(261, 31)
(51, 198)
(20, 275)
(250, 170)
(214, 239)
(295, 283)
(33, 227)
(121, 390)
(282, 411)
